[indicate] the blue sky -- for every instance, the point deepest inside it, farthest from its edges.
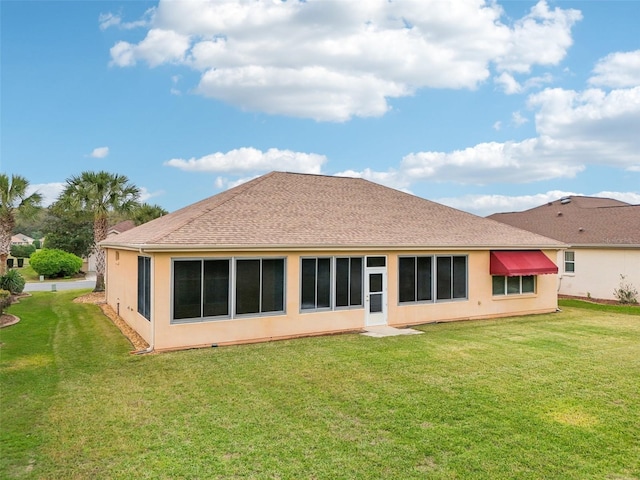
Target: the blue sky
(486, 107)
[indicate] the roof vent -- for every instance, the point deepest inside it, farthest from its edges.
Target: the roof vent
(559, 214)
(565, 200)
(581, 229)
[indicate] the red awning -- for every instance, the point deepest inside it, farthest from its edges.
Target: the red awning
(514, 263)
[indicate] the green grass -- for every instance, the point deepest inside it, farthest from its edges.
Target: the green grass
(550, 396)
(28, 273)
(626, 309)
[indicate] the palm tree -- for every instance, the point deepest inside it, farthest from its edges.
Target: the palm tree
(146, 212)
(14, 202)
(100, 193)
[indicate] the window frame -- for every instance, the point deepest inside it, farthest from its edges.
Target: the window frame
(416, 279)
(505, 286)
(333, 283)
(571, 262)
(316, 285)
(260, 312)
(434, 281)
(231, 290)
(145, 284)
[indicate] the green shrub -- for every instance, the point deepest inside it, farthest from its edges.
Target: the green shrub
(5, 300)
(22, 251)
(12, 281)
(36, 244)
(55, 263)
(626, 293)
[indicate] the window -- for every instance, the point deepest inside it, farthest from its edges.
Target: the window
(259, 286)
(451, 277)
(376, 261)
(144, 287)
(316, 283)
(349, 282)
(202, 288)
(320, 289)
(569, 262)
(417, 279)
(513, 285)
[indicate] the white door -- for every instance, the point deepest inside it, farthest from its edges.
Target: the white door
(375, 296)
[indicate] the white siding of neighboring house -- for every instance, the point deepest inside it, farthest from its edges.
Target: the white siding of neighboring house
(597, 271)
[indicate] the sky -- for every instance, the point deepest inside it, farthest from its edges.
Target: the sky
(483, 106)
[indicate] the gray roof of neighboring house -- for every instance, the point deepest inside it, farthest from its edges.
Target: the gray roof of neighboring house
(577, 220)
(290, 210)
(122, 227)
(20, 237)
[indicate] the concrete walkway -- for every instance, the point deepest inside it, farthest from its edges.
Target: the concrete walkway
(53, 285)
(387, 331)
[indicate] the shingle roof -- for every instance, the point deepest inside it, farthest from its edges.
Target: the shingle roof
(122, 226)
(579, 220)
(298, 210)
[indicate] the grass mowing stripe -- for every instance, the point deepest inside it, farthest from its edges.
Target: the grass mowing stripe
(551, 396)
(28, 378)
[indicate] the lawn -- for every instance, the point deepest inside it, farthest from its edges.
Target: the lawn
(550, 396)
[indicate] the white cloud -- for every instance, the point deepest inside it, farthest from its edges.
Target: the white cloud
(484, 205)
(223, 183)
(145, 194)
(49, 191)
(517, 119)
(392, 178)
(331, 61)
(575, 130)
(509, 85)
(600, 127)
(617, 70)
(540, 38)
(159, 46)
(251, 160)
(100, 152)
(530, 160)
(108, 20)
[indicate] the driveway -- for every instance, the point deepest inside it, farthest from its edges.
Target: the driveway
(51, 285)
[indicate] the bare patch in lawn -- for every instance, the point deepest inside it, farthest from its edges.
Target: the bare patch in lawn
(574, 417)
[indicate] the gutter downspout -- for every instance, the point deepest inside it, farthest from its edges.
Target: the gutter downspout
(150, 348)
(560, 277)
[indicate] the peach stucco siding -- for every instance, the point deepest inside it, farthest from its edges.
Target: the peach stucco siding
(162, 335)
(597, 271)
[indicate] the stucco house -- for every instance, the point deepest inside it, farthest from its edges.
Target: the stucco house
(602, 237)
(21, 239)
(288, 255)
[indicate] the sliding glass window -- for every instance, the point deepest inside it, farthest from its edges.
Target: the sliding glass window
(328, 283)
(420, 277)
(202, 288)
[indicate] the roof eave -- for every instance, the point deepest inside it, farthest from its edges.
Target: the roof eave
(605, 245)
(159, 248)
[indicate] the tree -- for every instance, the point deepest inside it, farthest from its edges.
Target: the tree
(145, 213)
(32, 226)
(69, 230)
(100, 193)
(14, 202)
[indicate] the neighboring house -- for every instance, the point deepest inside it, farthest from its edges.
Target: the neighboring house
(117, 229)
(20, 239)
(289, 255)
(603, 238)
